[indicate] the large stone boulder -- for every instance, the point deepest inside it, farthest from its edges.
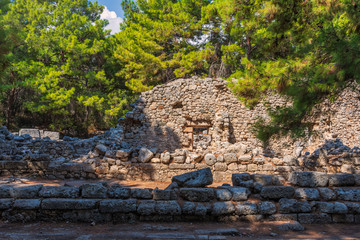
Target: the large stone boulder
(199, 178)
(145, 155)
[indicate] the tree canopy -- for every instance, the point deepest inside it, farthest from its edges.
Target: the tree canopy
(62, 66)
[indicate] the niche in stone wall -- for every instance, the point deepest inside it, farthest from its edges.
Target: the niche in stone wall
(199, 137)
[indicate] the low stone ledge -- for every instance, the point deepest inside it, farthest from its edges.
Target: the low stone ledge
(117, 205)
(27, 204)
(25, 191)
(277, 192)
(59, 192)
(309, 179)
(68, 204)
(197, 194)
(93, 190)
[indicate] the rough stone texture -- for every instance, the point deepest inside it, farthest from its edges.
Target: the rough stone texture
(25, 191)
(117, 205)
(27, 204)
(223, 194)
(96, 190)
(141, 193)
(199, 178)
(239, 193)
(68, 204)
(291, 226)
(197, 194)
(167, 208)
(59, 192)
(309, 218)
(341, 179)
(307, 194)
(246, 209)
(309, 179)
(293, 206)
(145, 155)
(118, 192)
(327, 194)
(277, 192)
(266, 208)
(223, 208)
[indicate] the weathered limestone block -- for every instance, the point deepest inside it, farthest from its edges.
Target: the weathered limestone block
(59, 192)
(230, 158)
(266, 208)
(223, 208)
(123, 153)
(341, 179)
(181, 166)
(327, 194)
(220, 166)
(101, 149)
(34, 133)
(141, 193)
(239, 193)
(223, 194)
(307, 193)
(293, 206)
(246, 209)
(118, 192)
(165, 157)
(348, 194)
(277, 192)
(309, 179)
(199, 178)
(146, 207)
(197, 194)
(25, 191)
(164, 194)
(93, 190)
(117, 205)
(68, 204)
(188, 208)
(145, 155)
(27, 204)
(167, 208)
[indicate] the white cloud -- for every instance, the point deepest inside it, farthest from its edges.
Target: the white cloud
(114, 20)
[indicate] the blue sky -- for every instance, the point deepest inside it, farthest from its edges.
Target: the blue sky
(113, 13)
(112, 5)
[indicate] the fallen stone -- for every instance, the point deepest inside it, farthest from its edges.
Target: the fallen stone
(145, 155)
(291, 226)
(199, 178)
(197, 194)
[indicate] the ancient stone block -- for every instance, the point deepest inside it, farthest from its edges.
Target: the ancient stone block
(199, 178)
(165, 157)
(223, 194)
(277, 192)
(141, 193)
(353, 207)
(145, 155)
(307, 193)
(348, 194)
(25, 191)
(181, 166)
(210, 159)
(327, 194)
(93, 190)
(68, 204)
(6, 203)
(59, 192)
(188, 208)
(5, 191)
(146, 207)
(164, 194)
(309, 179)
(239, 193)
(118, 192)
(246, 209)
(341, 179)
(117, 205)
(222, 208)
(266, 208)
(197, 194)
(34, 133)
(293, 206)
(27, 204)
(343, 218)
(167, 208)
(220, 166)
(230, 158)
(291, 226)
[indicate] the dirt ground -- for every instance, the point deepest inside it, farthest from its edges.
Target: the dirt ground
(247, 231)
